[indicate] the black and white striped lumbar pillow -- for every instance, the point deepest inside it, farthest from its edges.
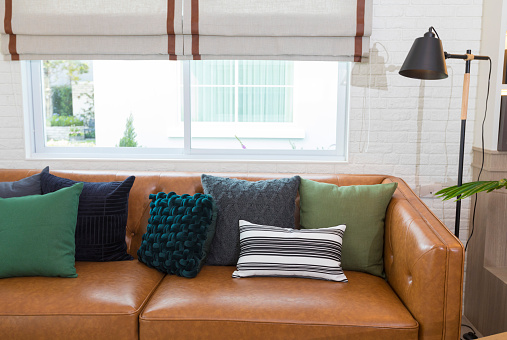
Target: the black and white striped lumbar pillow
(273, 251)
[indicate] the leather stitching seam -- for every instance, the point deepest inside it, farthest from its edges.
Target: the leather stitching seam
(416, 326)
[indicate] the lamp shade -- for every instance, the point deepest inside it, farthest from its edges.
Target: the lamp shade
(426, 59)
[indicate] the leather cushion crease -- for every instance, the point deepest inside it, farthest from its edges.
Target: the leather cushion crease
(366, 303)
(419, 299)
(103, 302)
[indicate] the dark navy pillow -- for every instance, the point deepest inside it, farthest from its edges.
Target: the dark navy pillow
(102, 217)
(179, 233)
(24, 187)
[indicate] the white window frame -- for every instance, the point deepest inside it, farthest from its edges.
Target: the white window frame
(33, 104)
(275, 130)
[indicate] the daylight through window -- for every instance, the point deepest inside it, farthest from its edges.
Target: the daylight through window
(187, 109)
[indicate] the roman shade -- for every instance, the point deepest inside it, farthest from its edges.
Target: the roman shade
(91, 29)
(186, 29)
(283, 29)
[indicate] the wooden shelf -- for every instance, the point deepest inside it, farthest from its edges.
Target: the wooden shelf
(499, 272)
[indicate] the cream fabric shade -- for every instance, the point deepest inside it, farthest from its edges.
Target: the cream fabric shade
(32, 46)
(91, 29)
(281, 48)
(186, 29)
(281, 29)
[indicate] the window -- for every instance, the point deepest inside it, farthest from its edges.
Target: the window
(188, 109)
(262, 90)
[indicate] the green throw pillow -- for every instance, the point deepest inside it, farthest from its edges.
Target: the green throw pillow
(37, 234)
(179, 233)
(362, 208)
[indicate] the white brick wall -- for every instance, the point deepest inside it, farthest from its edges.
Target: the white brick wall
(414, 125)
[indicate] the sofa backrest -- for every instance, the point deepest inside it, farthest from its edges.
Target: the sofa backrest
(147, 183)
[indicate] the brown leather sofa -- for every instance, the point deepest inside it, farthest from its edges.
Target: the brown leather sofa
(420, 298)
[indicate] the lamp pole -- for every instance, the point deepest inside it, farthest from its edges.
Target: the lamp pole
(468, 57)
(464, 110)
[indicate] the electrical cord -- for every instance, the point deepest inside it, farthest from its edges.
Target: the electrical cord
(434, 30)
(482, 162)
(473, 335)
(469, 335)
(463, 325)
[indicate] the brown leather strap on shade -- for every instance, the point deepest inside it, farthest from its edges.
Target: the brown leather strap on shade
(172, 47)
(8, 29)
(8, 17)
(195, 47)
(12, 47)
(195, 29)
(195, 17)
(358, 42)
(170, 17)
(171, 38)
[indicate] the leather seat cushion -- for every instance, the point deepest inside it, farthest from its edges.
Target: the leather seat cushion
(103, 302)
(216, 306)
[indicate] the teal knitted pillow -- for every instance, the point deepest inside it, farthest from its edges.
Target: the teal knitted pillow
(179, 233)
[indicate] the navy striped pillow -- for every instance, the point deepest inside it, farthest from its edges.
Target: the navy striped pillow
(273, 251)
(102, 217)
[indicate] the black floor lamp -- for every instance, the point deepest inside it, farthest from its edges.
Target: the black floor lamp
(426, 60)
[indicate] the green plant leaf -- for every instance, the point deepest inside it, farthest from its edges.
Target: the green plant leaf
(470, 188)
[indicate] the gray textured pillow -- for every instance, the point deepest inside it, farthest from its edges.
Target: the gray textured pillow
(23, 187)
(270, 202)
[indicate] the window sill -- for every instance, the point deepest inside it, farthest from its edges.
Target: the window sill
(196, 155)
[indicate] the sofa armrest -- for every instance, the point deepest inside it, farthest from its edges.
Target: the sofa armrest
(424, 264)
